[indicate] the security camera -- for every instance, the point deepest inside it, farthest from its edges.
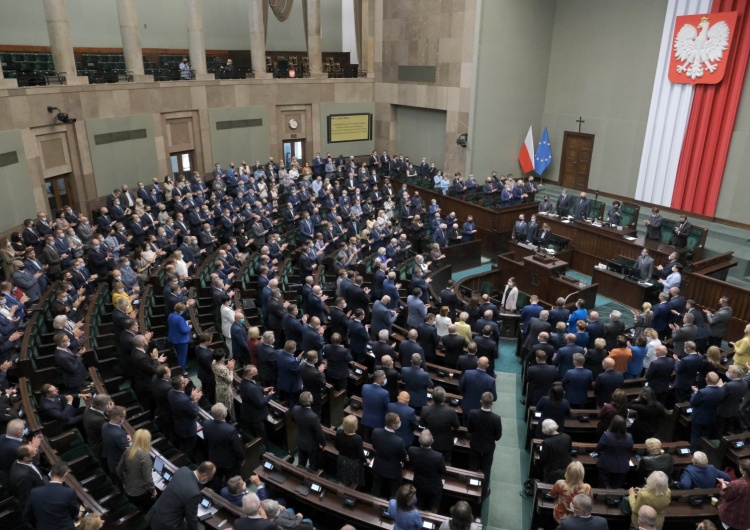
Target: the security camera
(462, 139)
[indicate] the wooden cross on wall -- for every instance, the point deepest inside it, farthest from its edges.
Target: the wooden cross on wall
(580, 121)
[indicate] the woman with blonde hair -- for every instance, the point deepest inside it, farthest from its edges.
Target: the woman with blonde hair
(642, 320)
(442, 321)
(564, 490)
(656, 494)
(134, 471)
(463, 328)
(118, 292)
(350, 465)
(92, 521)
(652, 336)
(253, 338)
(180, 267)
(742, 349)
(714, 357)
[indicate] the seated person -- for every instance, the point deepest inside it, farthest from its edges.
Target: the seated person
(54, 407)
(700, 474)
(235, 490)
(655, 459)
(283, 518)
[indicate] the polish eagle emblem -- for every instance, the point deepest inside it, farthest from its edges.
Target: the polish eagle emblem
(702, 48)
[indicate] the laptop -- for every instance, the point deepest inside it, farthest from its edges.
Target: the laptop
(158, 470)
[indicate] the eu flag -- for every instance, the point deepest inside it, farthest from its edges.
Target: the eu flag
(543, 156)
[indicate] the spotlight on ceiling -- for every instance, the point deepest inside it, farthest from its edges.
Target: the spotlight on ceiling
(62, 117)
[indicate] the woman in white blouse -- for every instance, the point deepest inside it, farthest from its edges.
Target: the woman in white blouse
(653, 342)
(442, 321)
(227, 319)
(180, 267)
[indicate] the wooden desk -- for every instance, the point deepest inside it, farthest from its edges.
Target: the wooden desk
(622, 289)
(521, 251)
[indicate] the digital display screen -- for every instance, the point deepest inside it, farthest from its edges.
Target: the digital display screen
(349, 128)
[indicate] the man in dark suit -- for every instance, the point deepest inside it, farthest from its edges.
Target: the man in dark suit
(389, 456)
(485, 428)
(448, 298)
(539, 378)
(407, 416)
(728, 413)
(558, 314)
(474, 384)
(537, 325)
(337, 359)
(114, 439)
(52, 406)
(582, 208)
(659, 373)
(595, 328)
(441, 420)
(313, 380)
(563, 359)
(11, 441)
(416, 381)
(468, 361)
(339, 322)
(454, 345)
(677, 305)
(253, 521)
(382, 318)
(94, 418)
(255, 400)
(705, 403)
(607, 382)
(614, 328)
(24, 474)
(577, 382)
(289, 381)
(160, 387)
(564, 203)
(381, 347)
(408, 347)
(582, 518)
(359, 336)
(74, 371)
(184, 411)
(238, 333)
(224, 444)
(177, 506)
(686, 370)
(681, 334)
(484, 346)
(427, 337)
(375, 401)
(681, 232)
(662, 315)
(718, 321)
(429, 470)
(53, 506)
(310, 437)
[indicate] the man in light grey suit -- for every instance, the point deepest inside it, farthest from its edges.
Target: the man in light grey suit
(688, 331)
(718, 322)
(382, 317)
(645, 264)
(417, 308)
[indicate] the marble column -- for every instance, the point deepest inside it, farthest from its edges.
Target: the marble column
(258, 40)
(131, 40)
(366, 49)
(197, 40)
(56, 13)
(314, 42)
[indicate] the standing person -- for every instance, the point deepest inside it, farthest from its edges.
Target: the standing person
(224, 446)
(114, 439)
(375, 399)
(134, 471)
(485, 428)
(718, 321)
(735, 499)
(53, 506)
(178, 335)
(403, 509)
(442, 420)
(614, 449)
(554, 453)
(289, 380)
(582, 518)
(223, 370)
(429, 470)
(177, 506)
(653, 225)
(705, 403)
(655, 494)
(184, 411)
(566, 489)
(205, 357)
(350, 464)
(389, 456)
(474, 385)
(310, 437)
(255, 401)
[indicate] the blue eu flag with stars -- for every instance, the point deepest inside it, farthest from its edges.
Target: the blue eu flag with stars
(543, 156)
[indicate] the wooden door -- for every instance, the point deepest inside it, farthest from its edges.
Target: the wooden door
(576, 160)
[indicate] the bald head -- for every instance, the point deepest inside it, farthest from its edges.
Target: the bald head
(608, 363)
(403, 397)
(483, 363)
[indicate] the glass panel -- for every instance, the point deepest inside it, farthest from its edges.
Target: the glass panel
(287, 155)
(51, 199)
(62, 191)
(186, 167)
(298, 151)
(175, 166)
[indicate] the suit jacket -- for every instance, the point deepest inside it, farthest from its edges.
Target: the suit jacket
(719, 321)
(389, 453)
(375, 401)
(555, 453)
(558, 314)
(564, 203)
(466, 362)
(577, 382)
(661, 318)
(679, 336)
(247, 523)
(536, 326)
(686, 371)
(314, 382)
(564, 358)
(408, 422)
(539, 378)
(679, 238)
(733, 392)
(238, 333)
(288, 379)
(428, 339)
(22, 479)
(406, 349)
(57, 408)
(611, 331)
(582, 209)
(184, 413)
(339, 323)
(429, 468)
(704, 403)
(645, 264)
(583, 523)
(659, 374)
(454, 348)
(114, 444)
(442, 421)
(92, 424)
(73, 369)
(309, 432)
(8, 453)
(177, 506)
(358, 337)
(472, 385)
(485, 428)
(606, 383)
(224, 444)
(382, 318)
(254, 403)
(53, 506)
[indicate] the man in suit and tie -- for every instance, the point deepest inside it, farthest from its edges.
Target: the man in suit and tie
(577, 382)
(74, 371)
(485, 428)
(289, 381)
(474, 384)
(564, 203)
(686, 369)
(238, 334)
(408, 418)
(454, 345)
(537, 325)
(375, 401)
(520, 229)
(680, 334)
(583, 207)
(255, 399)
(177, 506)
(613, 329)
(390, 454)
(443, 421)
(383, 318)
(310, 437)
(184, 411)
(645, 265)
(718, 321)
(653, 225)
(563, 359)
(416, 381)
(607, 382)
(11, 441)
(52, 406)
(313, 380)
(224, 444)
(429, 471)
(439, 237)
(659, 373)
(53, 506)
(94, 418)
(539, 378)
(114, 439)
(582, 518)
(24, 474)
(705, 403)
(728, 413)
(681, 232)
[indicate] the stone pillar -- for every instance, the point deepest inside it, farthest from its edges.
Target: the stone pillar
(314, 42)
(196, 40)
(258, 40)
(131, 40)
(366, 49)
(56, 13)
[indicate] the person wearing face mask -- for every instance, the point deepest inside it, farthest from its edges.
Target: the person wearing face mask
(375, 399)
(390, 454)
(177, 506)
(75, 374)
(114, 439)
(178, 334)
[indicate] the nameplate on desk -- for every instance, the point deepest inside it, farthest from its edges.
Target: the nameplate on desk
(645, 284)
(629, 238)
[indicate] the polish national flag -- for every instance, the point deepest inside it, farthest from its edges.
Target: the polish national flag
(526, 156)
